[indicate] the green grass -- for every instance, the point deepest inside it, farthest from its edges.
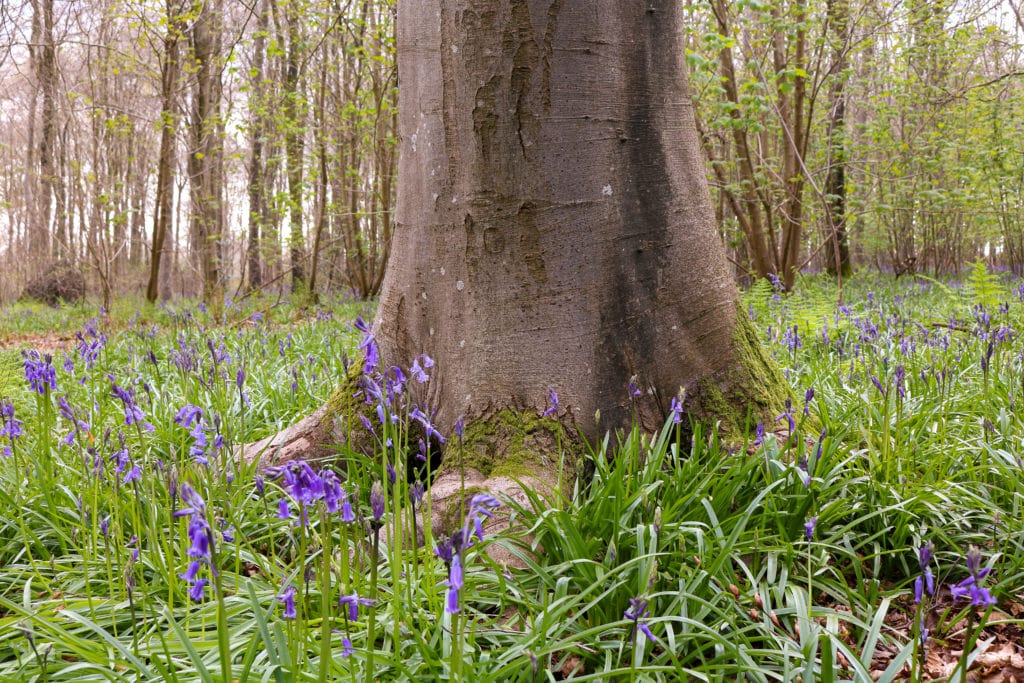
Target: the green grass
(711, 535)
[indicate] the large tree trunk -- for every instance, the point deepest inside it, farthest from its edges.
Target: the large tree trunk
(554, 227)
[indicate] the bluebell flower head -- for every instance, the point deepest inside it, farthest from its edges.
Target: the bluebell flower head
(377, 502)
(353, 602)
(809, 527)
(454, 583)
(287, 598)
(637, 613)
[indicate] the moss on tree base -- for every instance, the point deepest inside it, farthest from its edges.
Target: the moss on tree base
(517, 444)
(750, 390)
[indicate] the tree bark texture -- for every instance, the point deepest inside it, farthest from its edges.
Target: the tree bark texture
(554, 228)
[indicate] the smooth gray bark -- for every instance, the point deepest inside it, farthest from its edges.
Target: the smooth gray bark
(554, 228)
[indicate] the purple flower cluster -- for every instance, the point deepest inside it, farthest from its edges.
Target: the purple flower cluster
(637, 613)
(971, 588)
(10, 426)
(133, 414)
(68, 413)
(191, 417)
(450, 551)
(39, 372)
(201, 536)
(306, 486)
(90, 342)
(925, 582)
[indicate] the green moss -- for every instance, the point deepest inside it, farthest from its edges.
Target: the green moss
(515, 444)
(752, 385)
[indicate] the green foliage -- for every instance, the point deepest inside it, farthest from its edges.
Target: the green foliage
(984, 287)
(11, 379)
(710, 533)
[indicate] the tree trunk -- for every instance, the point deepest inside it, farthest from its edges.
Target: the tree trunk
(838, 248)
(554, 227)
(163, 207)
(205, 169)
(257, 173)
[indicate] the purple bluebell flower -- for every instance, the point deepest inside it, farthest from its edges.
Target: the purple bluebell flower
(198, 590)
(425, 420)
(758, 435)
(283, 512)
(637, 613)
(192, 572)
(416, 492)
(454, 583)
(10, 426)
(346, 647)
(418, 369)
(809, 527)
(675, 410)
(481, 507)
(900, 375)
(552, 408)
(368, 344)
(134, 474)
(347, 515)
(287, 598)
(791, 338)
(787, 414)
(460, 426)
(808, 397)
(133, 414)
(187, 415)
(353, 602)
(377, 503)
(39, 372)
(971, 588)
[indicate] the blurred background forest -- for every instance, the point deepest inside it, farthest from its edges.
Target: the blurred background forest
(207, 147)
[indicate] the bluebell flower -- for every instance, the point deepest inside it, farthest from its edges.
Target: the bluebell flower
(809, 527)
(971, 588)
(187, 415)
(675, 410)
(377, 503)
(353, 602)
(758, 435)
(287, 598)
(198, 590)
(133, 414)
(9, 425)
(454, 583)
(39, 372)
(787, 414)
(423, 419)
(637, 613)
(552, 408)
(418, 370)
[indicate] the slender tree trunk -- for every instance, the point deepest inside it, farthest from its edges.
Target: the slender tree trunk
(205, 159)
(47, 80)
(257, 172)
(838, 248)
(163, 216)
(295, 133)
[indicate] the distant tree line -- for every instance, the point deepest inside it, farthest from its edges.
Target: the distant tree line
(198, 146)
(203, 147)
